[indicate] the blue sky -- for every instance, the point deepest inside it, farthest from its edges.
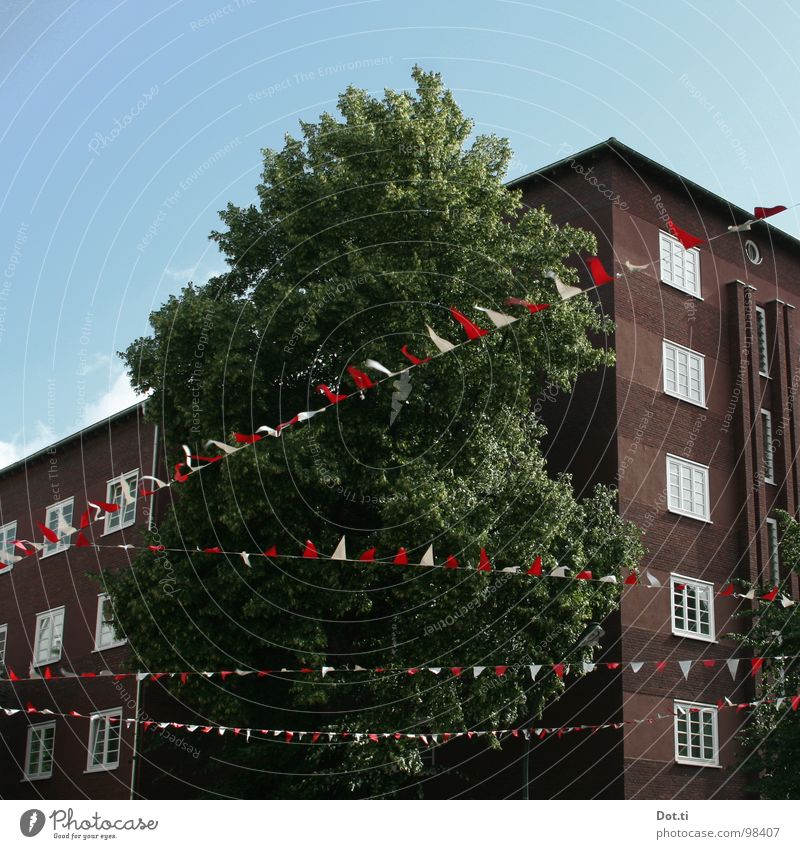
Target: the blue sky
(128, 125)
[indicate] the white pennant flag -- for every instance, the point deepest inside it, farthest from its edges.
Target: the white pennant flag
(786, 601)
(141, 676)
(498, 319)
(476, 670)
(341, 551)
(733, 666)
(223, 446)
(685, 666)
(245, 557)
(634, 268)
(565, 291)
(270, 431)
(608, 579)
(63, 528)
(741, 228)
(510, 569)
(588, 666)
(309, 414)
(637, 665)
(559, 572)
(535, 668)
(750, 594)
(435, 669)
(247, 735)
(159, 483)
(442, 344)
(326, 670)
(378, 367)
(427, 558)
(654, 582)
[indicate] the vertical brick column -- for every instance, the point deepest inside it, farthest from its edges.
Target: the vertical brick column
(780, 408)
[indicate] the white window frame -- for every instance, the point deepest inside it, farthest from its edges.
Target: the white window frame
(774, 552)
(682, 710)
(53, 511)
(769, 454)
(116, 521)
(761, 339)
(54, 640)
(708, 590)
(3, 646)
(692, 468)
(101, 639)
(34, 730)
(8, 533)
(98, 720)
(700, 364)
(669, 250)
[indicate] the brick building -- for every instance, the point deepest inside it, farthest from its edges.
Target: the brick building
(696, 426)
(54, 613)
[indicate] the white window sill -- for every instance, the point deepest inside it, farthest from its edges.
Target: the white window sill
(764, 374)
(98, 649)
(28, 778)
(120, 528)
(681, 289)
(687, 400)
(45, 662)
(95, 769)
(770, 481)
(689, 515)
(682, 762)
(45, 554)
(688, 635)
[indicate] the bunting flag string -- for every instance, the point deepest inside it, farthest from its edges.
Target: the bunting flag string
(426, 738)
(754, 664)
(401, 558)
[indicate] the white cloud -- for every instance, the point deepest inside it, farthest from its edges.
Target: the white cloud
(119, 395)
(19, 447)
(199, 274)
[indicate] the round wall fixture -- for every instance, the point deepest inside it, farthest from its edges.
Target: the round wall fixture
(753, 252)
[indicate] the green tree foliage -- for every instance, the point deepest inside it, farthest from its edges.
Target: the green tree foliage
(772, 736)
(366, 228)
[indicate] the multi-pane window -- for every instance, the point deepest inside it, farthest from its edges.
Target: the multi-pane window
(774, 557)
(105, 635)
(687, 488)
(104, 738)
(696, 735)
(39, 752)
(59, 518)
(8, 533)
(692, 608)
(684, 375)
(679, 267)
(49, 634)
(122, 492)
(769, 456)
(3, 643)
(761, 331)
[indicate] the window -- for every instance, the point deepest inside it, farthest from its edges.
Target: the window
(692, 608)
(122, 492)
(696, 737)
(679, 268)
(8, 533)
(687, 488)
(684, 375)
(761, 330)
(3, 643)
(772, 547)
(59, 518)
(49, 633)
(104, 737)
(753, 252)
(105, 636)
(39, 751)
(769, 457)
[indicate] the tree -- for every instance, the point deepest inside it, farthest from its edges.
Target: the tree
(772, 736)
(367, 228)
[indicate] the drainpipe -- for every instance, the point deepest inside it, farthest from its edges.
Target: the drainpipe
(135, 757)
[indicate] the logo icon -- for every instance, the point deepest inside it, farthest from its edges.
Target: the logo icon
(31, 822)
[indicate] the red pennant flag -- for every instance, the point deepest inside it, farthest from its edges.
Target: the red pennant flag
(156, 548)
(361, 379)
(293, 420)
(47, 673)
(766, 211)
(451, 563)
(30, 708)
(709, 664)
(500, 671)
(289, 736)
(184, 677)
(330, 394)
(632, 578)
(470, 734)
(686, 239)
(81, 541)
(472, 330)
(179, 476)
(215, 549)
(49, 535)
(156, 675)
(680, 587)
(755, 664)
(536, 567)
(85, 520)
(247, 438)
(373, 737)
(599, 274)
(401, 558)
(771, 595)
(532, 308)
(613, 665)
(271, 552)
(409, 356)
(542, 734)
(558, 668)
(661, 665)
(88, 675)
(224, 674)
(310, 550)
(728, 590)
(369, 555)
(110, 508)
(795, 702)
(457, 670)
(485, 564)
(412, 671)
(315, 736)
(585, 575)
